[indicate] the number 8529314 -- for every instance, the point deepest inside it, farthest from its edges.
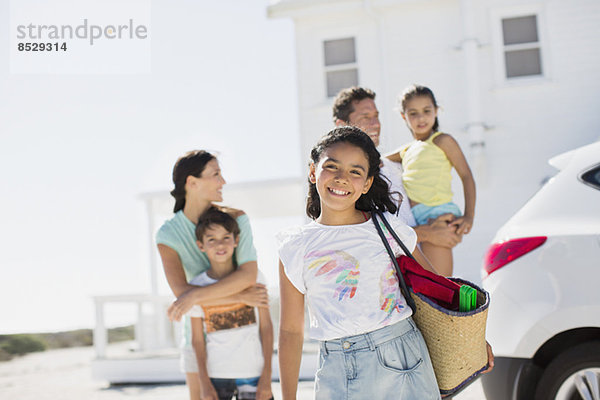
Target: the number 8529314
(42, 46)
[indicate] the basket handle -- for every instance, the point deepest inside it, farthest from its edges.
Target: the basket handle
(403, 286)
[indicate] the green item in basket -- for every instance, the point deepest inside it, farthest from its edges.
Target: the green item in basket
(467, 298)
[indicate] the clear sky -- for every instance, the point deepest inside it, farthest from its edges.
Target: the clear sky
(77, 150)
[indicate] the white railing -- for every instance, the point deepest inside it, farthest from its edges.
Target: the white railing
(153, 330)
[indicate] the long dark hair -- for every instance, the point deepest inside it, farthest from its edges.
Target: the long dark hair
(378, 197)
(417, 91)
(191, 163)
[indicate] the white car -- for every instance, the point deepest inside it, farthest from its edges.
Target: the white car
(542, 271)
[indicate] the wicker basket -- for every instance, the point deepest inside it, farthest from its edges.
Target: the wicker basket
(457, 358)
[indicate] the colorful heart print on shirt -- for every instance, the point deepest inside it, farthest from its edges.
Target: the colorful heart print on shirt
(388, 285)
(339, 265)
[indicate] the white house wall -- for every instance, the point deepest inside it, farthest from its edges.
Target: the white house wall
(423, 48)
(529, 120)
(315, 107)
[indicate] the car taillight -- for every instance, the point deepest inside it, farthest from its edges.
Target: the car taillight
(500, 254)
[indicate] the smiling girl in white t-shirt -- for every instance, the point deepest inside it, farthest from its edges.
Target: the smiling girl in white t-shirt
(369, 345)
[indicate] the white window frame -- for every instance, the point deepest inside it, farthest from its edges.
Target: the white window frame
(339, 67)
(497, 15)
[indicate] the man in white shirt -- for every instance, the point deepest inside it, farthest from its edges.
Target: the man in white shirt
(356, 106)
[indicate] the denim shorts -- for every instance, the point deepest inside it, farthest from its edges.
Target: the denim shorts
(388, 363)
(423, 213)
(242, 389)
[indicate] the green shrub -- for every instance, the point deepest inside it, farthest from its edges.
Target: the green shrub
(22, 344)
(4, 355)
(75, 338)
(121, 334)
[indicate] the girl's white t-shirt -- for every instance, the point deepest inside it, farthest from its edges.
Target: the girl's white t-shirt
(346, 275)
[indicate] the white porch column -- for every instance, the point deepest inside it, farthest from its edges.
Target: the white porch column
(475, 125)
(382, 91)
(100, 337)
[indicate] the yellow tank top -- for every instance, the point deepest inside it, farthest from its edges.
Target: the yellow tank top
(427, 172)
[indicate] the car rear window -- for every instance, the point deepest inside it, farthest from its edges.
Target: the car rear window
(592, 177)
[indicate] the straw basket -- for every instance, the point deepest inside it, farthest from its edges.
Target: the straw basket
(456, 340)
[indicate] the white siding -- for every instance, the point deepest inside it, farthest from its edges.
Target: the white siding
(419, 42)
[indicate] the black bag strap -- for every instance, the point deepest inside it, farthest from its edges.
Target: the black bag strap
(395, 236)
(401, 281)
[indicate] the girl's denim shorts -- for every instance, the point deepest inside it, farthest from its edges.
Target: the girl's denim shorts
(388, 363)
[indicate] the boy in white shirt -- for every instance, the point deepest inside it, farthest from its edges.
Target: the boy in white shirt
(233, 349)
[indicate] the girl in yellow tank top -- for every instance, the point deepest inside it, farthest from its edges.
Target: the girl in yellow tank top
(427, 164)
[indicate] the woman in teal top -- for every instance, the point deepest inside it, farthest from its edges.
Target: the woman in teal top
(198, 183)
